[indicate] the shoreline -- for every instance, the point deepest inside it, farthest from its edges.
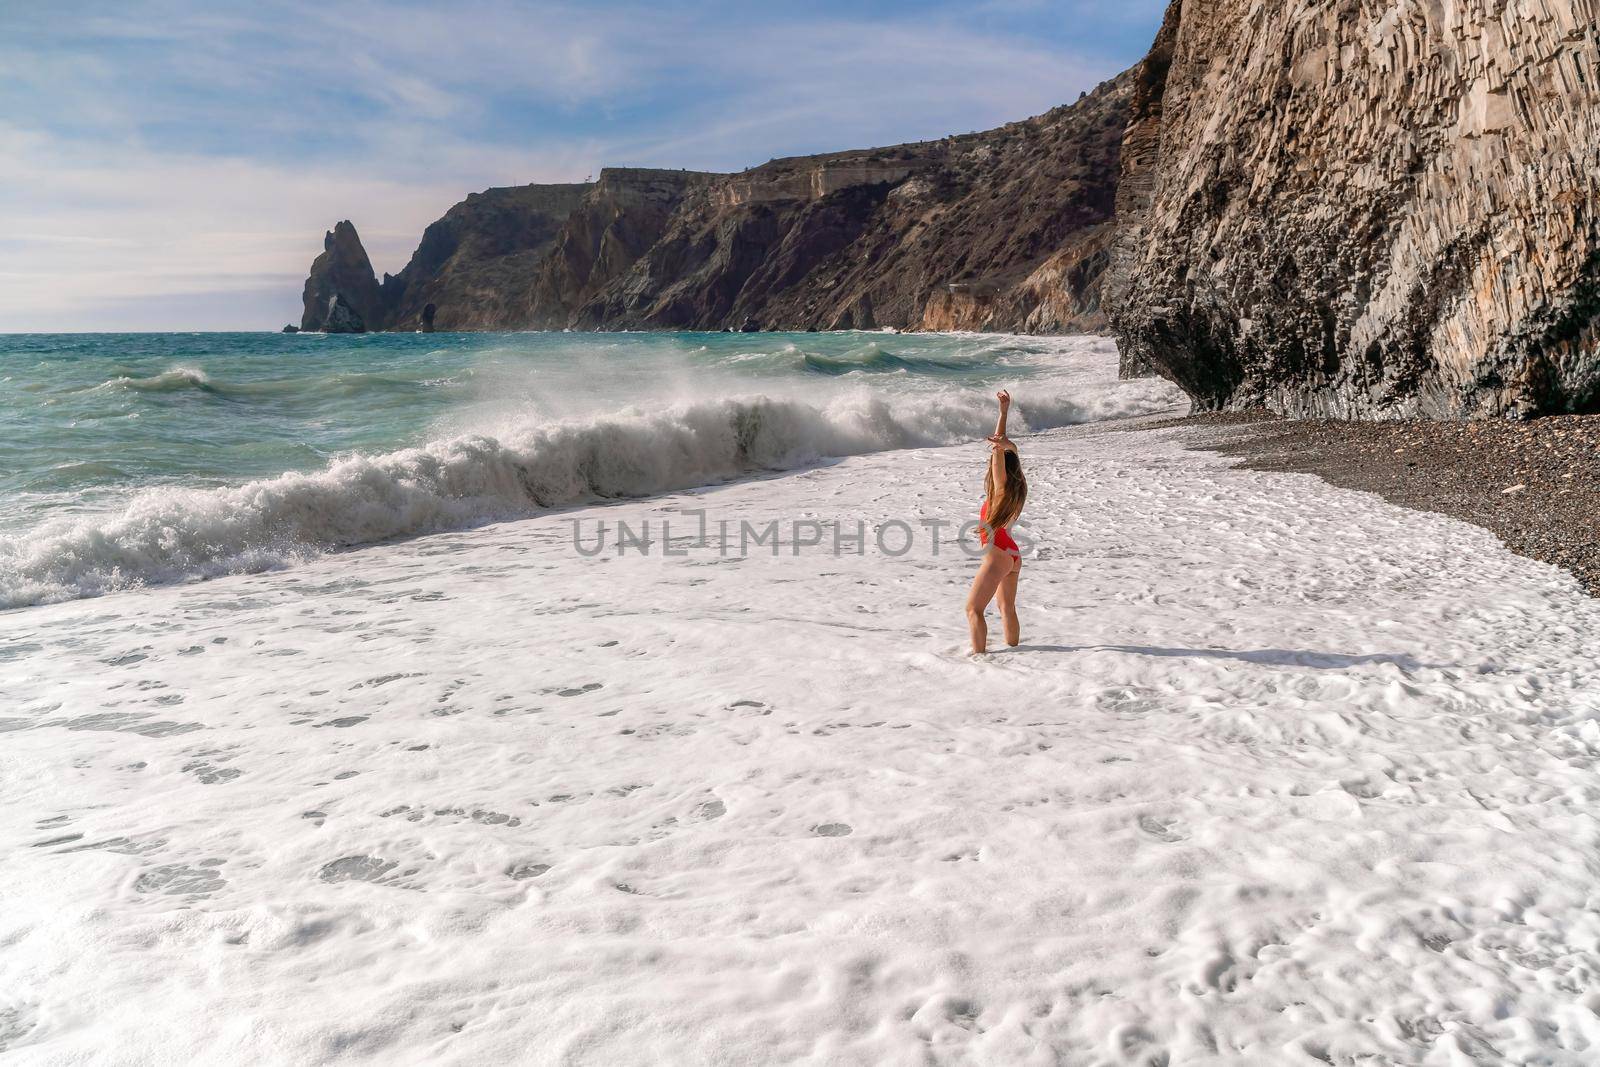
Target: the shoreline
(1534, 485)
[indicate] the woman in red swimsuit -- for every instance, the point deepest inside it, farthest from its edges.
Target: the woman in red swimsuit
(1005, 491)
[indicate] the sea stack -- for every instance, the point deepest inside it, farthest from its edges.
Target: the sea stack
(341, 285)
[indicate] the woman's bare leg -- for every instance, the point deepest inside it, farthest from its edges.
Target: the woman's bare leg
(1007, 597)
(991, 572)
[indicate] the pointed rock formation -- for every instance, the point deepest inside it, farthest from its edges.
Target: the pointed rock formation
(1366, 210)
(342, 275)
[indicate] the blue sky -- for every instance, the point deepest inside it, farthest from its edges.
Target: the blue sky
(170, 164)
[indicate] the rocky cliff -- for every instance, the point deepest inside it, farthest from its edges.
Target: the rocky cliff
(619, 220)
(475, 265)
(472, 270)
(1003, 230)
(1334, 207)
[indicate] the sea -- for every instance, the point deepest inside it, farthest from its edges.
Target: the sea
(130, 460)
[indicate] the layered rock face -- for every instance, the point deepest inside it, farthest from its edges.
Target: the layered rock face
(735, 246)
(1003, 230)
(1359, 209)
(619, 220)
(897, 236)
(1062, 295)
(476, 265)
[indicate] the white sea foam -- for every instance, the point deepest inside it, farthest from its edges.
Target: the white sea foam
(1280, 775)
(171, 534)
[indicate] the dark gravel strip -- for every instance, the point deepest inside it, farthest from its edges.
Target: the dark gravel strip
(1536, 485)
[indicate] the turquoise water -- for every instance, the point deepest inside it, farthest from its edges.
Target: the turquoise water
(140, 458)
(86, 419)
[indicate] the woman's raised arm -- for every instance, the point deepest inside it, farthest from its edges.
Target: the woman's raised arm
(1002, 444)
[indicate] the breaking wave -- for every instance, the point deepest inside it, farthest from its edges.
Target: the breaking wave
(173, 534)
(341, 383)
(175, 380)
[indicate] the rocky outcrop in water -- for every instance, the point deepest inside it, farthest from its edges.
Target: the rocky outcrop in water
(1366, 210)
(341, 283)
(1003, 230)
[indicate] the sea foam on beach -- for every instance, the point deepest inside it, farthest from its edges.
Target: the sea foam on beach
(1280, 774)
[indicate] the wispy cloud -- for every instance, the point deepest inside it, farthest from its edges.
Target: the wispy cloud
(155, 150)
(91, 231)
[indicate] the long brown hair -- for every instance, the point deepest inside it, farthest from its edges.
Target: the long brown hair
(1005, 504)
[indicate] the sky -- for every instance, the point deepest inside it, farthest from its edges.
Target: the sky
(173, 164)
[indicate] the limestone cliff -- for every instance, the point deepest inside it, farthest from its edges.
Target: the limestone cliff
(1002, 230)
(1062, 295)
(620, 219)
(737, 244)
(884, 237)
(1334, 207)
(476, 265)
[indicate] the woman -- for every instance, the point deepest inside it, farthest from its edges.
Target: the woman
(1005, 491)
